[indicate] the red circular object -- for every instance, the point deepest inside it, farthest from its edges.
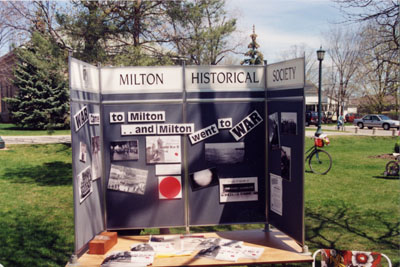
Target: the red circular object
(361, 258)
(170, 187)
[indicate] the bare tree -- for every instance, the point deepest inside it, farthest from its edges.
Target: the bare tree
(20, 18)
(344, 51)
(379, 78)
(384, 14)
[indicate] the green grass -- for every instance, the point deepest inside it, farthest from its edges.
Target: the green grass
(352, 207)
(36, 210)
(8, 129)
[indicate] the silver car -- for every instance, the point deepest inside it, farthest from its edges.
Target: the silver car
(373, 120)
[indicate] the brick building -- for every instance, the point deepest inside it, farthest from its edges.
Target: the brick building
(6, 87)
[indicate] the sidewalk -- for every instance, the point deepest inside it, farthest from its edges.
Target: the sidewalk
(352, 130)
(48, 139)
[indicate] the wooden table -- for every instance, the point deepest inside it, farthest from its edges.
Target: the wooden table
(278, 248)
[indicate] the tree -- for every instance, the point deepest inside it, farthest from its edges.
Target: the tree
(21, 18)
(378, 76)
(42, 101)
(255, 57)
(200, 30)
(89, 29)
(344, 51)
(384, 14)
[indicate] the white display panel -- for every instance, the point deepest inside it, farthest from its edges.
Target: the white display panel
(141, 80)
(286, 74)
(227, 78)
(83, 76)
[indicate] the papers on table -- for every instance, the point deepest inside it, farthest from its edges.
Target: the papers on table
(143, 254)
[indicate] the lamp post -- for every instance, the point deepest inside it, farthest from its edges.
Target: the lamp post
(320, 56)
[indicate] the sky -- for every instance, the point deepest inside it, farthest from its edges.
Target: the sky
(281, 24)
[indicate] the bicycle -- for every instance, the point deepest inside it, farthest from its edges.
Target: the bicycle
(392, 168)
(319, 161)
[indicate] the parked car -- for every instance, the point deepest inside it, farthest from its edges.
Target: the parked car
(373, 120)
(350, 117)
(312, 118)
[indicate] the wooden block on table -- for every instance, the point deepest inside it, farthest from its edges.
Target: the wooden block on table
(102, 243)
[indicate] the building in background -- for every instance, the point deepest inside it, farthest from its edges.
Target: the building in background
(7, 89)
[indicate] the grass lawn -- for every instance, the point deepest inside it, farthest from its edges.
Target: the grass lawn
(8, 129)
(36, 209)
(352, 207)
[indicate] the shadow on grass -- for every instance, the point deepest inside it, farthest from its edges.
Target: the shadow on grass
(48, 174)
(28, 240)
(387, 177)
(345, 223)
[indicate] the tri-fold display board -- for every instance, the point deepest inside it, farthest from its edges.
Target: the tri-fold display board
(181, 146)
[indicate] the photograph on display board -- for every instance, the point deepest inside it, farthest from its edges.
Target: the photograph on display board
(169, 187)
(238, 189)
(85, 184)
(276, 194)
(289, 123)
(285, 162)
(224, 153)
(127, 179)
(204, 178)
(96, 158)
(163, 149)
(82, 152)
(94, 118)
(273, 130)
(124, 150)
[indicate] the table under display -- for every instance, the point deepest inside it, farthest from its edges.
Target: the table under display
(278, 249)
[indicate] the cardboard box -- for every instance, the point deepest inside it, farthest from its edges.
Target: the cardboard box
(102, 243)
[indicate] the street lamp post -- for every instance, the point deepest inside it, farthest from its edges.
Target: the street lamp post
(320, 56)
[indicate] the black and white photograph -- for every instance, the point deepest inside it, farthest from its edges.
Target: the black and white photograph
(124, 150)
(94, 118)
(128, 258)
(96, 158)
(127, 179)
(163, 149)
(210, 252)
(289, 123)
(203, 179)
(224, 153)
(238, 189)
(85, 184)
(285, 162)
(82, 152)
(273, 131)
(142, 247)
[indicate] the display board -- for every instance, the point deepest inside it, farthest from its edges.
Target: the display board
(195, 142)
(286, 110)
(86, 152)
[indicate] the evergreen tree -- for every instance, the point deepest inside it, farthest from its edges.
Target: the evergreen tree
(201, 30)
(255, 57)
(42, 101)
